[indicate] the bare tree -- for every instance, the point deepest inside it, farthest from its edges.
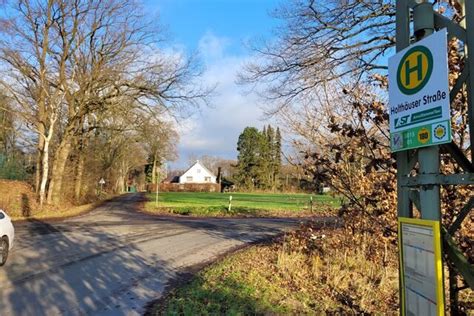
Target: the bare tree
(71, 64)
(320, 42)
(160, 140)
(25, 52)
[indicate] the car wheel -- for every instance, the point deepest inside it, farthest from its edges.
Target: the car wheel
(3, 250)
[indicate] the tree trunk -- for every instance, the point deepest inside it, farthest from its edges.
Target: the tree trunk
(45, 171)
(59, 164)
(45, 161)
(39, 160)
(153, 171)
(79, 173)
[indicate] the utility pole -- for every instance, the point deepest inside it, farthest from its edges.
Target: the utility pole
(423, 190)
(163, 168)
(157, 187)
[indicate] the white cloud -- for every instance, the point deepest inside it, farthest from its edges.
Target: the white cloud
(213, 47)
(215, 131)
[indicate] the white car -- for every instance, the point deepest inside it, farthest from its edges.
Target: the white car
(7, 233)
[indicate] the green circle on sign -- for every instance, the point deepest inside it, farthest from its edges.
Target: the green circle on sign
(414, 70)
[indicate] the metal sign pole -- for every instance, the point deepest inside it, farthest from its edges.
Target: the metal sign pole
(423, 190)
(423, 20)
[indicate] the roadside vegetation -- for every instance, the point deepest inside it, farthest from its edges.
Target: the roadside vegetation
(242, 204)
(18, 199)
(310, 271)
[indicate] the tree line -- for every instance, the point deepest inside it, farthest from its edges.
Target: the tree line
(88, 93)
(259, 158)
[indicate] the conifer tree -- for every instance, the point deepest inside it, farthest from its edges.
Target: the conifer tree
(267, 161)
(277, 158)
(249, 147)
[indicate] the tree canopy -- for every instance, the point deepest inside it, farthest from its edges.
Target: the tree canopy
(259, 159)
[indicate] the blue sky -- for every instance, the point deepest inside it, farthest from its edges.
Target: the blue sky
(189, 20)
(217, 29)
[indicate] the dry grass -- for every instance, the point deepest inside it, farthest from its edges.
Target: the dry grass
(303, 273)
(58, 212)
(18, 199)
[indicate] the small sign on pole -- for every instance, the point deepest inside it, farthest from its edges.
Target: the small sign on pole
(421, 268)
(101, 182)
(419, 105)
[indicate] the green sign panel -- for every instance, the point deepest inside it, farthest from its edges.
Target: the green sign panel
(421, 136)
(419, 104)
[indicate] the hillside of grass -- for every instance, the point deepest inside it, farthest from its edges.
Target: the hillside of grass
(243, 204)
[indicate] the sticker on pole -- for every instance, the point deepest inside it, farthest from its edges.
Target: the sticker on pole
(421, 268)
(419, 106)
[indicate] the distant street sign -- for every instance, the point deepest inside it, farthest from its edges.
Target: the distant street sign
(421, 267)
(419, 105)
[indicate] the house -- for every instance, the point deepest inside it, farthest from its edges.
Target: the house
(197, 173)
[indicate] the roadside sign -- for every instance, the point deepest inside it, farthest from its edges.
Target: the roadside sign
(101, 181)
(419, 105)
(421, 267)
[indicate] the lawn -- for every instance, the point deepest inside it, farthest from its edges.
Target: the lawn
(251, 204)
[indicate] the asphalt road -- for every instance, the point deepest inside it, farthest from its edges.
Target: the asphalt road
(113, 260)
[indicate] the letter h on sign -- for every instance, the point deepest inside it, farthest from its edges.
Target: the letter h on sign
(417, 68)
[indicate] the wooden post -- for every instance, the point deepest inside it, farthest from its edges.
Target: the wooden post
(230, 203)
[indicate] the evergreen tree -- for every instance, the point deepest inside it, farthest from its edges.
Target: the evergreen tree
(249, 147)
(277, 159)
(266, 159)
(259, 159)
(270, 138)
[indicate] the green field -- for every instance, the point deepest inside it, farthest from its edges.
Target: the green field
(251, 204)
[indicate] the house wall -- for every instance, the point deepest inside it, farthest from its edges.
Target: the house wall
(197, 174)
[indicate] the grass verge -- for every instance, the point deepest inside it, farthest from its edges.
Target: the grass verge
(59, 213)
(242, 204)
(302, 273)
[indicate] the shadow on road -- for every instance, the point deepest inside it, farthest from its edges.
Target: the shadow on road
(99, 263)
(75, 273)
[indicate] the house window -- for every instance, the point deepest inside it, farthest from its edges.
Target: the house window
(198, 170)
(207, 179)
(189, 179)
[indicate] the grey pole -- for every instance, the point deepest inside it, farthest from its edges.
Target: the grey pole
(423, 21)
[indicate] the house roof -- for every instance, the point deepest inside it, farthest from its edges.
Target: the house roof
(171, 178)
(199, 163)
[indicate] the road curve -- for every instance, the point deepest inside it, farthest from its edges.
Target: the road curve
(114, 260)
